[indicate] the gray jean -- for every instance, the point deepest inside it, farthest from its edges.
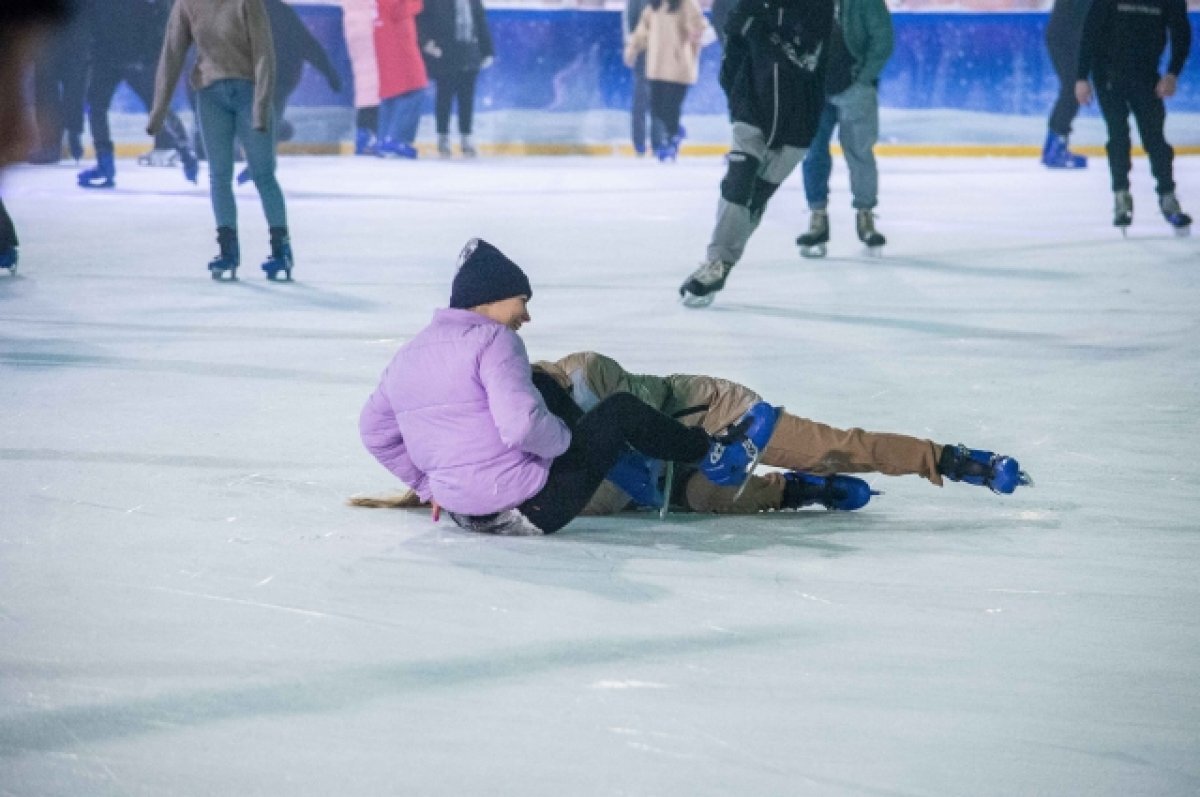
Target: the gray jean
(736, 223)
(225, 110)
(855, 112)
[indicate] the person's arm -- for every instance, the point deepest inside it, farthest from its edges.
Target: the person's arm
(381, 435)
(521, 417)
(1180, 32)
(170, 63)
(262, 56)
(736, 50)
(880, 41)
(696, 22)
(638, 39)
(486, 49)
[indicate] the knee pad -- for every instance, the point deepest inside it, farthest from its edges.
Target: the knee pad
(760, 195)
(738, 186)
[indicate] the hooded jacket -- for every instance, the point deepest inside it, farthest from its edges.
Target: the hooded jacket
(774, 64)
(457, 419)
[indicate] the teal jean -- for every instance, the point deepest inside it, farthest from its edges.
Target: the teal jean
(225, 110)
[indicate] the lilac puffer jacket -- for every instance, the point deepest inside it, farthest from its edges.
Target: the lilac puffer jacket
(457, 418)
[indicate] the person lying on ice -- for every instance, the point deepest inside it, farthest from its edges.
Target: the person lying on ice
(456, 416)
(810, 452)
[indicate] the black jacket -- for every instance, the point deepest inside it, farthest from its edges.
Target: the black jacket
(436, 23)
(1123, 40)
(773, 69)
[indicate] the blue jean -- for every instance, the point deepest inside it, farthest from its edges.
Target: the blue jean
(855, 112)
(399, 116)
(225, 110)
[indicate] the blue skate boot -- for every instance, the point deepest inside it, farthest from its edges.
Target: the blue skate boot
(641, 477)
(1056, 154)
(280, 261)
(102, 174)
(735, 452)
(998, 473)
(191, 165)
(365, 142)
(844, 493)
(227, 260)
(9, 258)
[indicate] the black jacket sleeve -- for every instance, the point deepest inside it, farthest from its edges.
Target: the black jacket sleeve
(1181, 35)
(1098, 20)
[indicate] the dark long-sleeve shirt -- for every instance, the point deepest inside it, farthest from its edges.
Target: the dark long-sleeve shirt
(1123, 40)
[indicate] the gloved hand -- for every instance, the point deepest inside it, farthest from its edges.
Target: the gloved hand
(486, 62)
(432, 49)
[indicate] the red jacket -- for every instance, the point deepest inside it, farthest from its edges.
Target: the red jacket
(401, 67)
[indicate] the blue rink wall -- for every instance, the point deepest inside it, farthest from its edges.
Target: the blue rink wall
(558, 80)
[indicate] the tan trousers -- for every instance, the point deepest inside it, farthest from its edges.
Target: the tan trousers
(801, 444)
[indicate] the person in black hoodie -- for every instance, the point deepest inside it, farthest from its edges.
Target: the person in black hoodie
(772, 72)
(1063, 32)
(1123, 41)
(457, 45)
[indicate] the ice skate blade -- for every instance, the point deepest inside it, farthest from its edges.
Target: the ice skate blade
(697, 302)
(1183, 232)
(1024, 479)
(219, 274)
(875, 251)
(814, 252)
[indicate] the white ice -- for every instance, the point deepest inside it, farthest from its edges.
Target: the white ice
(187, 606)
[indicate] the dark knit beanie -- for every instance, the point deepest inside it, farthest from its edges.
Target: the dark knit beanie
(486, 275)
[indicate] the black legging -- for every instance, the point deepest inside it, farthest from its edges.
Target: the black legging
(1064, 55)
(666, 106)
(1116, 103)
(597, 440)
(453, 84)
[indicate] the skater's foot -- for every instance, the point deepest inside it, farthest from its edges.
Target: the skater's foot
(735, 452)
(1122, 209)
(998, 473)
(8, 259)
(1173, 213)
(102, 174)
(278, 267)
(225, 264)
(864, 221)
(701, 287)
(845, 493)
(812, 243)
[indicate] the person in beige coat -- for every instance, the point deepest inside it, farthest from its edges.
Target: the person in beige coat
(234, 79)
(797, 444)
(669, 32)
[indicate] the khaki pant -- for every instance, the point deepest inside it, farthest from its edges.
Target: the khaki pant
(801, 444)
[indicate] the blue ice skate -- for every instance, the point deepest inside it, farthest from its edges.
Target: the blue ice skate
(1056, 154)
(280, 260)
(191, 165)
(9, 258)
(225, 264)
(641, 477)
(735, 452)
(844, 493)
(102, 174)
(365, 142)
(998, 473)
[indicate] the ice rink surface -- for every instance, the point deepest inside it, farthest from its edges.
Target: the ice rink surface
(187, 607)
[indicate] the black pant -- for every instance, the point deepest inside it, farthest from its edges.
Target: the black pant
(666, 106)
(597, 441)
(451, 85)
(8, 233)
(106, 77)
(1117, 101)
(1064, 54)
(59, 83)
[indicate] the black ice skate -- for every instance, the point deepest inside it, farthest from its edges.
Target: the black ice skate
(225, 264)
(865, 223)
(9, 258)
(1122, 210)
(280, 261)
(812, 243)
(701, 287)
(1174, 214)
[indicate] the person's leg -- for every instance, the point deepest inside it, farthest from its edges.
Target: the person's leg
(259, 147)
(596, 442)
(659, 134)
(858, 130)
(1115, 108)
(443, 101)
(818, 163)
(753, 175)
(409, 116)
(641, 105)
(801, 444)
(1064, 55)
(387, 118)
(760, 493)
(672, 107)
(218, 119)
(1151, 115)
(465, 92)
